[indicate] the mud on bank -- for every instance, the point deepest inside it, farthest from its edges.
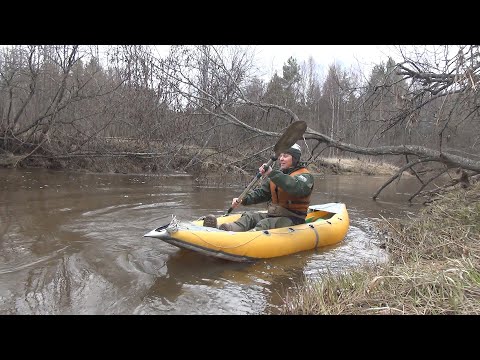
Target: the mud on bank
(152, 164)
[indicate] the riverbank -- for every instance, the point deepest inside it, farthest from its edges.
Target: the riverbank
(134, 162)
(433, 267)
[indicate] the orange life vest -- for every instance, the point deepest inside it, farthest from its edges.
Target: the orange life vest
(287, 201)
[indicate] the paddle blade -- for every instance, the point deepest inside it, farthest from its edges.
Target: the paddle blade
(293, 133)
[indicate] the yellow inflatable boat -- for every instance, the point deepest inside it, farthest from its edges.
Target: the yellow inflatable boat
(326, 224)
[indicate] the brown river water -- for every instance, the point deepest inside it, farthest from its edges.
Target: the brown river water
(72, 243)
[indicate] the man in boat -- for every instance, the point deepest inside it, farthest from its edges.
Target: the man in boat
(286, 190)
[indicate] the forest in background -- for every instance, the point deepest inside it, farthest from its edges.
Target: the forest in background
(64, 103)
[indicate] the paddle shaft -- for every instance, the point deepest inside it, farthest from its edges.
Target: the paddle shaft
(253, 182)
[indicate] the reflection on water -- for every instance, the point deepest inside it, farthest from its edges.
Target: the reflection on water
(72, 243)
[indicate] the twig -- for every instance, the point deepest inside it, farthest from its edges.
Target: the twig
(400, 172)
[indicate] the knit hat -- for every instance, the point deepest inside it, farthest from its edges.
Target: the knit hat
(296, 153)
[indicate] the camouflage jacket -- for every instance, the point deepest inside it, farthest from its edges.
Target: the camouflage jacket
(299, 185)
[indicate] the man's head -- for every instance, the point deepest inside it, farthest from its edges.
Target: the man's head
(292, 158)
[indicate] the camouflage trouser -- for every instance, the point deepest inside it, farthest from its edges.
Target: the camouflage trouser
(259, 221)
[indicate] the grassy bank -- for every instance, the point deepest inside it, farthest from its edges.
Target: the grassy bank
(433, 267)
(364, 166)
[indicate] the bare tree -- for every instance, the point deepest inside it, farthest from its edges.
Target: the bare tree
(413, 98)
(41, 88)
(204, 101)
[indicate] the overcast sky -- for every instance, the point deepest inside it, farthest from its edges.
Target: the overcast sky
(273, 57)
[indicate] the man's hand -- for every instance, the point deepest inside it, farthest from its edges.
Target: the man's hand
(235, 203)
(264, 172)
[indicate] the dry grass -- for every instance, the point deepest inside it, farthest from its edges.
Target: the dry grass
(449, 228)
(434, 268)
(8, 159)
(358, 166)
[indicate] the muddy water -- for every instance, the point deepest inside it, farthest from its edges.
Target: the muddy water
(72, 243)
